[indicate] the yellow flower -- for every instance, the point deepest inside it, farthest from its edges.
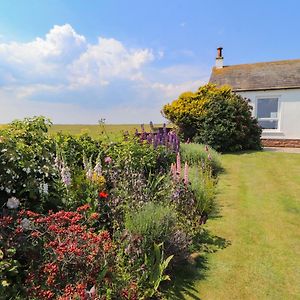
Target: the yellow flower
(99, 180)
(4, 283)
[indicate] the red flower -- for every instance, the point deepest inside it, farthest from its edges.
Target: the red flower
(83, 207)
(103, 195)
(31, 214)
(35, 234)
(94, 216)
(5, 221)
(107, 246)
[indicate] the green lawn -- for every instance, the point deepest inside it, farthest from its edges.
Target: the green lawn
(258, 229)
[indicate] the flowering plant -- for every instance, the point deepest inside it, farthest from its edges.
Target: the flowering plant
(64, 257)
(27, 168)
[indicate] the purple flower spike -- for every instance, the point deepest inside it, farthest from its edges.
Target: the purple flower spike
(158, 138)
(155, 142)
(149, 139)
(170, 137)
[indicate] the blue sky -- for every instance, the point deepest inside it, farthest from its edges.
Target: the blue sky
(79, 61)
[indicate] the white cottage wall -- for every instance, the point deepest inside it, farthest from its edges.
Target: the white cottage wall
(289, 112)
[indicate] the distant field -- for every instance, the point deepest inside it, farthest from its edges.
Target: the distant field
(96, 130)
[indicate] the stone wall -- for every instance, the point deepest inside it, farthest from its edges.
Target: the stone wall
(281, 143)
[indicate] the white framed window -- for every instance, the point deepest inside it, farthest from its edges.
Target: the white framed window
(267, 112)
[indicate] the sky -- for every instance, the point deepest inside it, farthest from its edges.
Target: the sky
(79, 61)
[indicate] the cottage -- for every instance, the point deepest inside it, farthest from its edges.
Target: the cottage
(274, 91)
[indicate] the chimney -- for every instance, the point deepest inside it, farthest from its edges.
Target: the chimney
(219, 58)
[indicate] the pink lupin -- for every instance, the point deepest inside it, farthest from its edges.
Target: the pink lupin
(186, 173)
(178, 164)
(173, 171)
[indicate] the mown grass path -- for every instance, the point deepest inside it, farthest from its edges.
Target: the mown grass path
(259, 195)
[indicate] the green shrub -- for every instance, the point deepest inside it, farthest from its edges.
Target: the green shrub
(9, 273)
(73, 147)
(140, 156)
(217, 117)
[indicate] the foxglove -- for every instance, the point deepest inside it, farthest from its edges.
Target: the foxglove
(66, 176)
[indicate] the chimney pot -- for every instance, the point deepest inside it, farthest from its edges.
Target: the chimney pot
(219, 53)
(219, 58)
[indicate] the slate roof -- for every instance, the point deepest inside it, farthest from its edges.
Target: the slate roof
(273, 75)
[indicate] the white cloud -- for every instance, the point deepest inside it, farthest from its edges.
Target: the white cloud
(105, 60)
(60, 42)
(70, 80)
(42, 60)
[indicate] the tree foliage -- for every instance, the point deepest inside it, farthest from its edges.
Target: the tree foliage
(217, 117)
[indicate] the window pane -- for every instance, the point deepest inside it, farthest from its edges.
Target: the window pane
(269, 124)
(267, 108)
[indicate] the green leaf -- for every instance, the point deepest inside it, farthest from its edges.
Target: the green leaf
(167, 261)
(103, 272)
(108, 294)
(11, 252)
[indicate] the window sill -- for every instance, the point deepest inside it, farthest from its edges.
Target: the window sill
(272, 132)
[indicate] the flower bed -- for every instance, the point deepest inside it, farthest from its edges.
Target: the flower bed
(84, 219)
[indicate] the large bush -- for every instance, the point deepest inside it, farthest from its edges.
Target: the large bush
(217, 117)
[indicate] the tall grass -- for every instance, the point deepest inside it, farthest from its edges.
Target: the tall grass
(199, 155)
(203, 185)
(204, 166)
